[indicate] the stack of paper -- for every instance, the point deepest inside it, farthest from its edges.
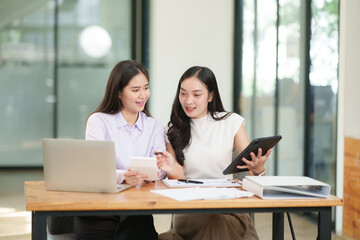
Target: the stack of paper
(186, 194)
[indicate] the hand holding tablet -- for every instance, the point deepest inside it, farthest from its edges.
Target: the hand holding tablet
(146, 166)
(264, 143)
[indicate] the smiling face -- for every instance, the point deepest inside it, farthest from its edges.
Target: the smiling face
(135, 95)
(194, 98)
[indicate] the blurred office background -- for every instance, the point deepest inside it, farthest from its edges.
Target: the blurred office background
(276, 62)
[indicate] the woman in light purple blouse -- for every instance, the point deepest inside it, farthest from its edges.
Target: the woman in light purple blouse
(122, 117)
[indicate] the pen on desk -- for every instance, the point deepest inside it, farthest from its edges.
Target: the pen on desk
(190, 181)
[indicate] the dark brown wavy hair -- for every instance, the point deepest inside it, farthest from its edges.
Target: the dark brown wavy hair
(179, 133)
(119, 78)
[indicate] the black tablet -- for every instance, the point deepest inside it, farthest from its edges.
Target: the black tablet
(264, 143)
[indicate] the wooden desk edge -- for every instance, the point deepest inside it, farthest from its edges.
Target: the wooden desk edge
(158, 202)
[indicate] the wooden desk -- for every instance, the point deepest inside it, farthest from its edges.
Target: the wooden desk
(135, 201)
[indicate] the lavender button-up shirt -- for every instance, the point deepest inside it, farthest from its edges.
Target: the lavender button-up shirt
(145, 137)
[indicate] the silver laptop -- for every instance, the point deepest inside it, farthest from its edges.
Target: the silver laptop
(80, 165)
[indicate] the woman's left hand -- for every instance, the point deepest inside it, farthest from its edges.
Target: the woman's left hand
(134, 177)
(257, 163)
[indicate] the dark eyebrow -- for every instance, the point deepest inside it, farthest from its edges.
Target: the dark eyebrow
(198, 90)
(146, 85)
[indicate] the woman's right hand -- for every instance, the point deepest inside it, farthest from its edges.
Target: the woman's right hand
(165, 162)
(134, 178)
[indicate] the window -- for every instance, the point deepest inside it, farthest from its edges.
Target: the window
(51, 79)
(288, 82)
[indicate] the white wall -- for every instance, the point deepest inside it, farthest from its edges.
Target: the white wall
(349, 86)
(184, 33)
(350, 66)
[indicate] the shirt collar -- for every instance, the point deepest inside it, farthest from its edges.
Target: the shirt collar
(139, 122)
(121, 122)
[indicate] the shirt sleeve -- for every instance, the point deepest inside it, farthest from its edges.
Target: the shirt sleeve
(159, 144)
(166, 136)
(120, 176)
(95, 130)
(159, 139)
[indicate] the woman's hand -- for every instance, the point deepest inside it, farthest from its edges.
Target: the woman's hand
(167, 163)
(257, 163)
(134, 177)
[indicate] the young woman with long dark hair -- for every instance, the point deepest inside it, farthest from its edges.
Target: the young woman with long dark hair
(201, 137)
(122, 117)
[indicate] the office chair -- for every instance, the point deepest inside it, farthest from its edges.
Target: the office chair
(61, 228)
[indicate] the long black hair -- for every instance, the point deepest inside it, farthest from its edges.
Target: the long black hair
(119, 78)
(179, 133)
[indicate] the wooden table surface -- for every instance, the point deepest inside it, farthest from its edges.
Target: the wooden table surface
(39, 199)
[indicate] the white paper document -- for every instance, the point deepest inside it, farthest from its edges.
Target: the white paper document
(205, 183)
(187, 194)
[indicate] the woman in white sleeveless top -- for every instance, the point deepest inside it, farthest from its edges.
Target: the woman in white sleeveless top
(201, 139)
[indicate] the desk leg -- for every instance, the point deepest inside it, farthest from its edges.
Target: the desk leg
(38, 226)
(278, 226)
(324, 224)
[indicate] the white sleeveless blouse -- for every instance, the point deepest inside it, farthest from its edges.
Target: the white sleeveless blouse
(211, 146)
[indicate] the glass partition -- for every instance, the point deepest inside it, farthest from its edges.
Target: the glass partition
(26, 80)
(48, 88)
(264, 106)
(248, 62)
(291, 61)
(93, 37)
(287, 46)
(324, 86)
(259, 70)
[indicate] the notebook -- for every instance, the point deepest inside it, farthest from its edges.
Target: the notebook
(80, 165)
